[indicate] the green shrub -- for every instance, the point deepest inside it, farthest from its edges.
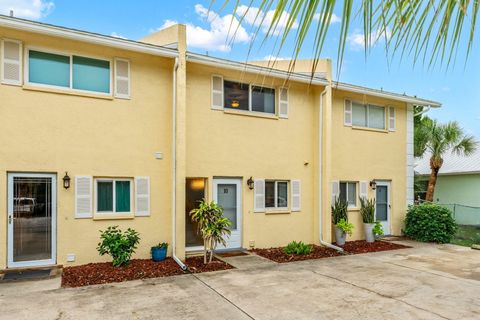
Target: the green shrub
(295, 247)
(378, 229)
(345, 226)
(430, 223)
(339, 211)
(119, 245)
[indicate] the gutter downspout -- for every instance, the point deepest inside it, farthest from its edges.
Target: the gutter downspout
(174, 168)
(320, 175)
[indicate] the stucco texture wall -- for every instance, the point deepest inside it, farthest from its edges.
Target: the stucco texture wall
(458, 189)
(222, 144)
(53, 133)
(364, 155)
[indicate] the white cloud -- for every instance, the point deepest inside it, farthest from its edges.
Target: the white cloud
(223, 31)
(258, 18)
(29, 9)
(271, 57)
(356, 40)
(333, 19)
(116, 35)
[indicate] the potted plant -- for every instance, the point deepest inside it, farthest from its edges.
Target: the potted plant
(367, 210)
(340, 220)
(159, 252)
(212, 225)
(377, 230)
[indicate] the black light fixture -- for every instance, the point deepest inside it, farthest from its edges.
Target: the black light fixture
(66, 181)
(373, 184)
(250, 183)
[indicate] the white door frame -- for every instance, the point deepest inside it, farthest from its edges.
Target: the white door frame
(52, 261)
(385, 224)
(234, 241)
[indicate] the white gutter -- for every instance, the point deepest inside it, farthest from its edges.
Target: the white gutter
(78, 35)
(387, 95)
(320, 176)
(174, 168)
(259, 70)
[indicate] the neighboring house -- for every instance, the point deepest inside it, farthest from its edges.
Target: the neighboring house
(145, 129)
(458, 180)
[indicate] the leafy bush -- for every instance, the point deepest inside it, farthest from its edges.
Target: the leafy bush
(377, 229)
(367, 210)
(339, 211)
(430, 223)
(345, 226)
(119, 245)
(161, 245)
(295, 247)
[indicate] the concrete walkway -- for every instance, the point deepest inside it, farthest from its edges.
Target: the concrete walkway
(425, 282)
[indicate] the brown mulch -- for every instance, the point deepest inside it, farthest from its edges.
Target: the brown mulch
(361, 246)
(105, 272)
(277, 254)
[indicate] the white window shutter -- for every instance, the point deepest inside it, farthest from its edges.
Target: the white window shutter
(283, 103)
(347, 117)
(259, 195)
(391, 119)
(142, 196)
(335, 191)
(217, 92)
(83, 197)
(296, 195)
(363, 189)
(122, 78)
(12, 62)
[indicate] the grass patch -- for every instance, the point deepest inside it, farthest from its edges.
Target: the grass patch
(467, 235)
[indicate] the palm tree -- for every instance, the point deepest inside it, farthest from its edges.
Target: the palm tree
(429, 30)
(440, 139)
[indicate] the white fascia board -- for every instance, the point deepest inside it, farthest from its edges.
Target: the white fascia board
(83, 36)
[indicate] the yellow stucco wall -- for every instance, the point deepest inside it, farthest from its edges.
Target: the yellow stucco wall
(223, 144)
(364, 155)
(54, 133)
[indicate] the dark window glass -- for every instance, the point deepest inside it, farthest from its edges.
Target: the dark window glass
(263, 99)
(236, 95)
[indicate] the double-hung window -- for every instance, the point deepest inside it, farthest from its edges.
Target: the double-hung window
(276, 194)
(368, 116)
(113, 196)
(348, 193)
(242, 96)
(69, 72)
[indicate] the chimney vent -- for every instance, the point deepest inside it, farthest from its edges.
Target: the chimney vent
(11, 13)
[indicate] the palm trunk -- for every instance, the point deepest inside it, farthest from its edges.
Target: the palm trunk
(204, 251)
(432, 181)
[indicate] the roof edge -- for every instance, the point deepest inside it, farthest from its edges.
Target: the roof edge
(84, 36)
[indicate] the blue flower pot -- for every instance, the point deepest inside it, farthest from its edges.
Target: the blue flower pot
(159, 253)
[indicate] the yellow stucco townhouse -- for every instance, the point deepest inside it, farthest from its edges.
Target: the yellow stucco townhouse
(99, 131)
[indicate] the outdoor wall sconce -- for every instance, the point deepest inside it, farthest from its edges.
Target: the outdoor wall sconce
(250, 183)
(373, 185)
(66, 181)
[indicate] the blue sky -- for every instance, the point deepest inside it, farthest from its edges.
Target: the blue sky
(457, 88)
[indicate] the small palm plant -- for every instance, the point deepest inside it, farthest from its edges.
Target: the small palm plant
(212, 226)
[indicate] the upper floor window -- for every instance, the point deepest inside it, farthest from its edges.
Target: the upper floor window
(248, 97)
(69, 71)
(367, 115)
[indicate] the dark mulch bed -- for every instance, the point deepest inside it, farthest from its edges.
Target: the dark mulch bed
(361, 246)
(350, 247)
(105, 272)
(277, 254)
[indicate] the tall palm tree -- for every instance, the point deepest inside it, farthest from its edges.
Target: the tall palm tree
(429, 30)
(440, 139)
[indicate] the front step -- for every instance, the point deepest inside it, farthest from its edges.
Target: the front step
(30, 273)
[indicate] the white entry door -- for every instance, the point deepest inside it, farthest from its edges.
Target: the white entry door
(228, 194)
(382, 211)
(31, 219)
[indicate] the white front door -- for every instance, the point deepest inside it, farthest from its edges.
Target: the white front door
(31, 219)
(227, 193)
(382, 211)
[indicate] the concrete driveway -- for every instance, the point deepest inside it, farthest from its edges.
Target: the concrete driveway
(425, 282)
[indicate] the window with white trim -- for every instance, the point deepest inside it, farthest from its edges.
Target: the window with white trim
(66, 71)
(276, 194)
(114, 196)
(243, 96)
(368, 116)
(348, 193)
